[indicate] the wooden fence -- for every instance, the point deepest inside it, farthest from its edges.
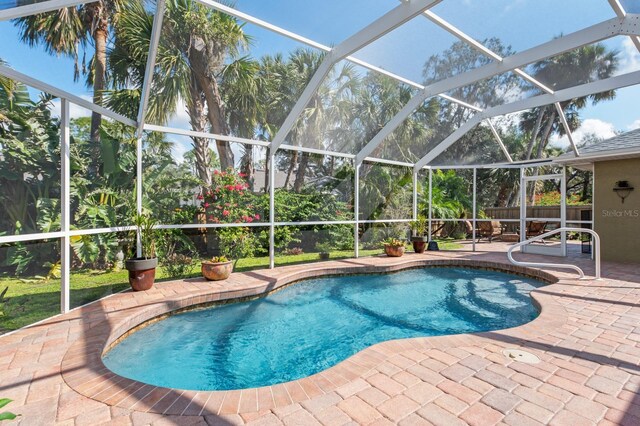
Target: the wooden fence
(573, 212)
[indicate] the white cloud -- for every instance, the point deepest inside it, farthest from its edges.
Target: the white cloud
(629, 57)
(180, 120)
(634, 125)
(75, 111)
(590, 126)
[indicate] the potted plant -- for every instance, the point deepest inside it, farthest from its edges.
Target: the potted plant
(142, 270)
(394, 247)
(235, 243)
(419, 239)
(324, 250)
(217, 269)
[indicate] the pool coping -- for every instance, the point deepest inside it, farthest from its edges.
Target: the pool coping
(83, 370)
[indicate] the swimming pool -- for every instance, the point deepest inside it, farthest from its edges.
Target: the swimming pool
(310, 326)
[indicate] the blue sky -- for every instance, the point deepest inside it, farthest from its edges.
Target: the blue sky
(518, 23)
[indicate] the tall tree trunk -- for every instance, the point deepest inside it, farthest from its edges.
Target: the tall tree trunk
(100, 34)
(294, 161)
(545, 136)
(534, 134)
(204, 61)
(302, 169)
(198, 119)
(267, 180)
(246, 165)
(541, 145)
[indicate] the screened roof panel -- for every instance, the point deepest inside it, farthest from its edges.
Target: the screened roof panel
(349, 109)
(10, 4)
(28, 48)
(490, 92)
(478, 147)
(33, 61)
(631, 6)
(611, 57)
(405, 50)
(423, 130)
(327, 22)
(259, 83)
(522, 24)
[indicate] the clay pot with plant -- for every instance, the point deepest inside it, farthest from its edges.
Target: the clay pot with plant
(217, 269)
(324, 250)
(394, 247)
(419, 239)
(235, 243)
(142, 269)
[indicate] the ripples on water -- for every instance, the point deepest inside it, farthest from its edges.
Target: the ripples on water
(310, 326)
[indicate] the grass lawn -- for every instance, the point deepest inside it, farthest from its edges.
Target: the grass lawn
(30, 300)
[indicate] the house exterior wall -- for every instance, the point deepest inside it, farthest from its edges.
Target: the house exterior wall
(617, 223)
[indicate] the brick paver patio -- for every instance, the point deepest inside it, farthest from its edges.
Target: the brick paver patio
(587, 337)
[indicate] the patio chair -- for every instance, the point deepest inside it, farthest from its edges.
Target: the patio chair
(489, 230)
(536, 228)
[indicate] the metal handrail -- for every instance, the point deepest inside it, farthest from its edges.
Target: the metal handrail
(540, 237)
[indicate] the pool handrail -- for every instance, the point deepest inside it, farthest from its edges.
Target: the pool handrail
(540, 237)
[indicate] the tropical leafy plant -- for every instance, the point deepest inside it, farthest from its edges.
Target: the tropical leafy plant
(419, 226)
(145, 228)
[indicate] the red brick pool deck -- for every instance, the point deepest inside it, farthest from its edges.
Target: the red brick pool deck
(587, 337)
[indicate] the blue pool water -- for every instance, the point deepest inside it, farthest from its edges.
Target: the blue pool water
(312, 325)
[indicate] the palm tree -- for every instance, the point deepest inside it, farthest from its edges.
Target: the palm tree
(242, 85)
(580, 66)
(195, 46)
(65, 31)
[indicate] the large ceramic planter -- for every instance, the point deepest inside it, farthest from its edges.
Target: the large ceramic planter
(142, 273)
(393, 251)
(419, 244)
(216, 271)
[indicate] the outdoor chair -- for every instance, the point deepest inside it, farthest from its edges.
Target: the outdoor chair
(489, 230)
(536, 228)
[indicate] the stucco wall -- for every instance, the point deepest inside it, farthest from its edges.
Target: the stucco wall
(618, 224)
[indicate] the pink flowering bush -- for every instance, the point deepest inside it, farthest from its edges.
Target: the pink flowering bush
(229, 199)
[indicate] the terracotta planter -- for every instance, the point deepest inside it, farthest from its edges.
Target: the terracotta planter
(393, 251)
(419, 244)
(142, 273)
(216, 271)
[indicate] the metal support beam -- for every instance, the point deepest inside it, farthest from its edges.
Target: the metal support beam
(430, 201)
(40, 85)
(36, 8)
(475, 210)
(499, 140)
(595, 33)
(415, 195)
(480, 47)
(65, 205)
(523, 205)
(378, 28)
(147, 82)
(139, 193)
(272, 208)
(312, 43)
(536, 101)
(356, 210)
(621, 13)
(567, 130)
